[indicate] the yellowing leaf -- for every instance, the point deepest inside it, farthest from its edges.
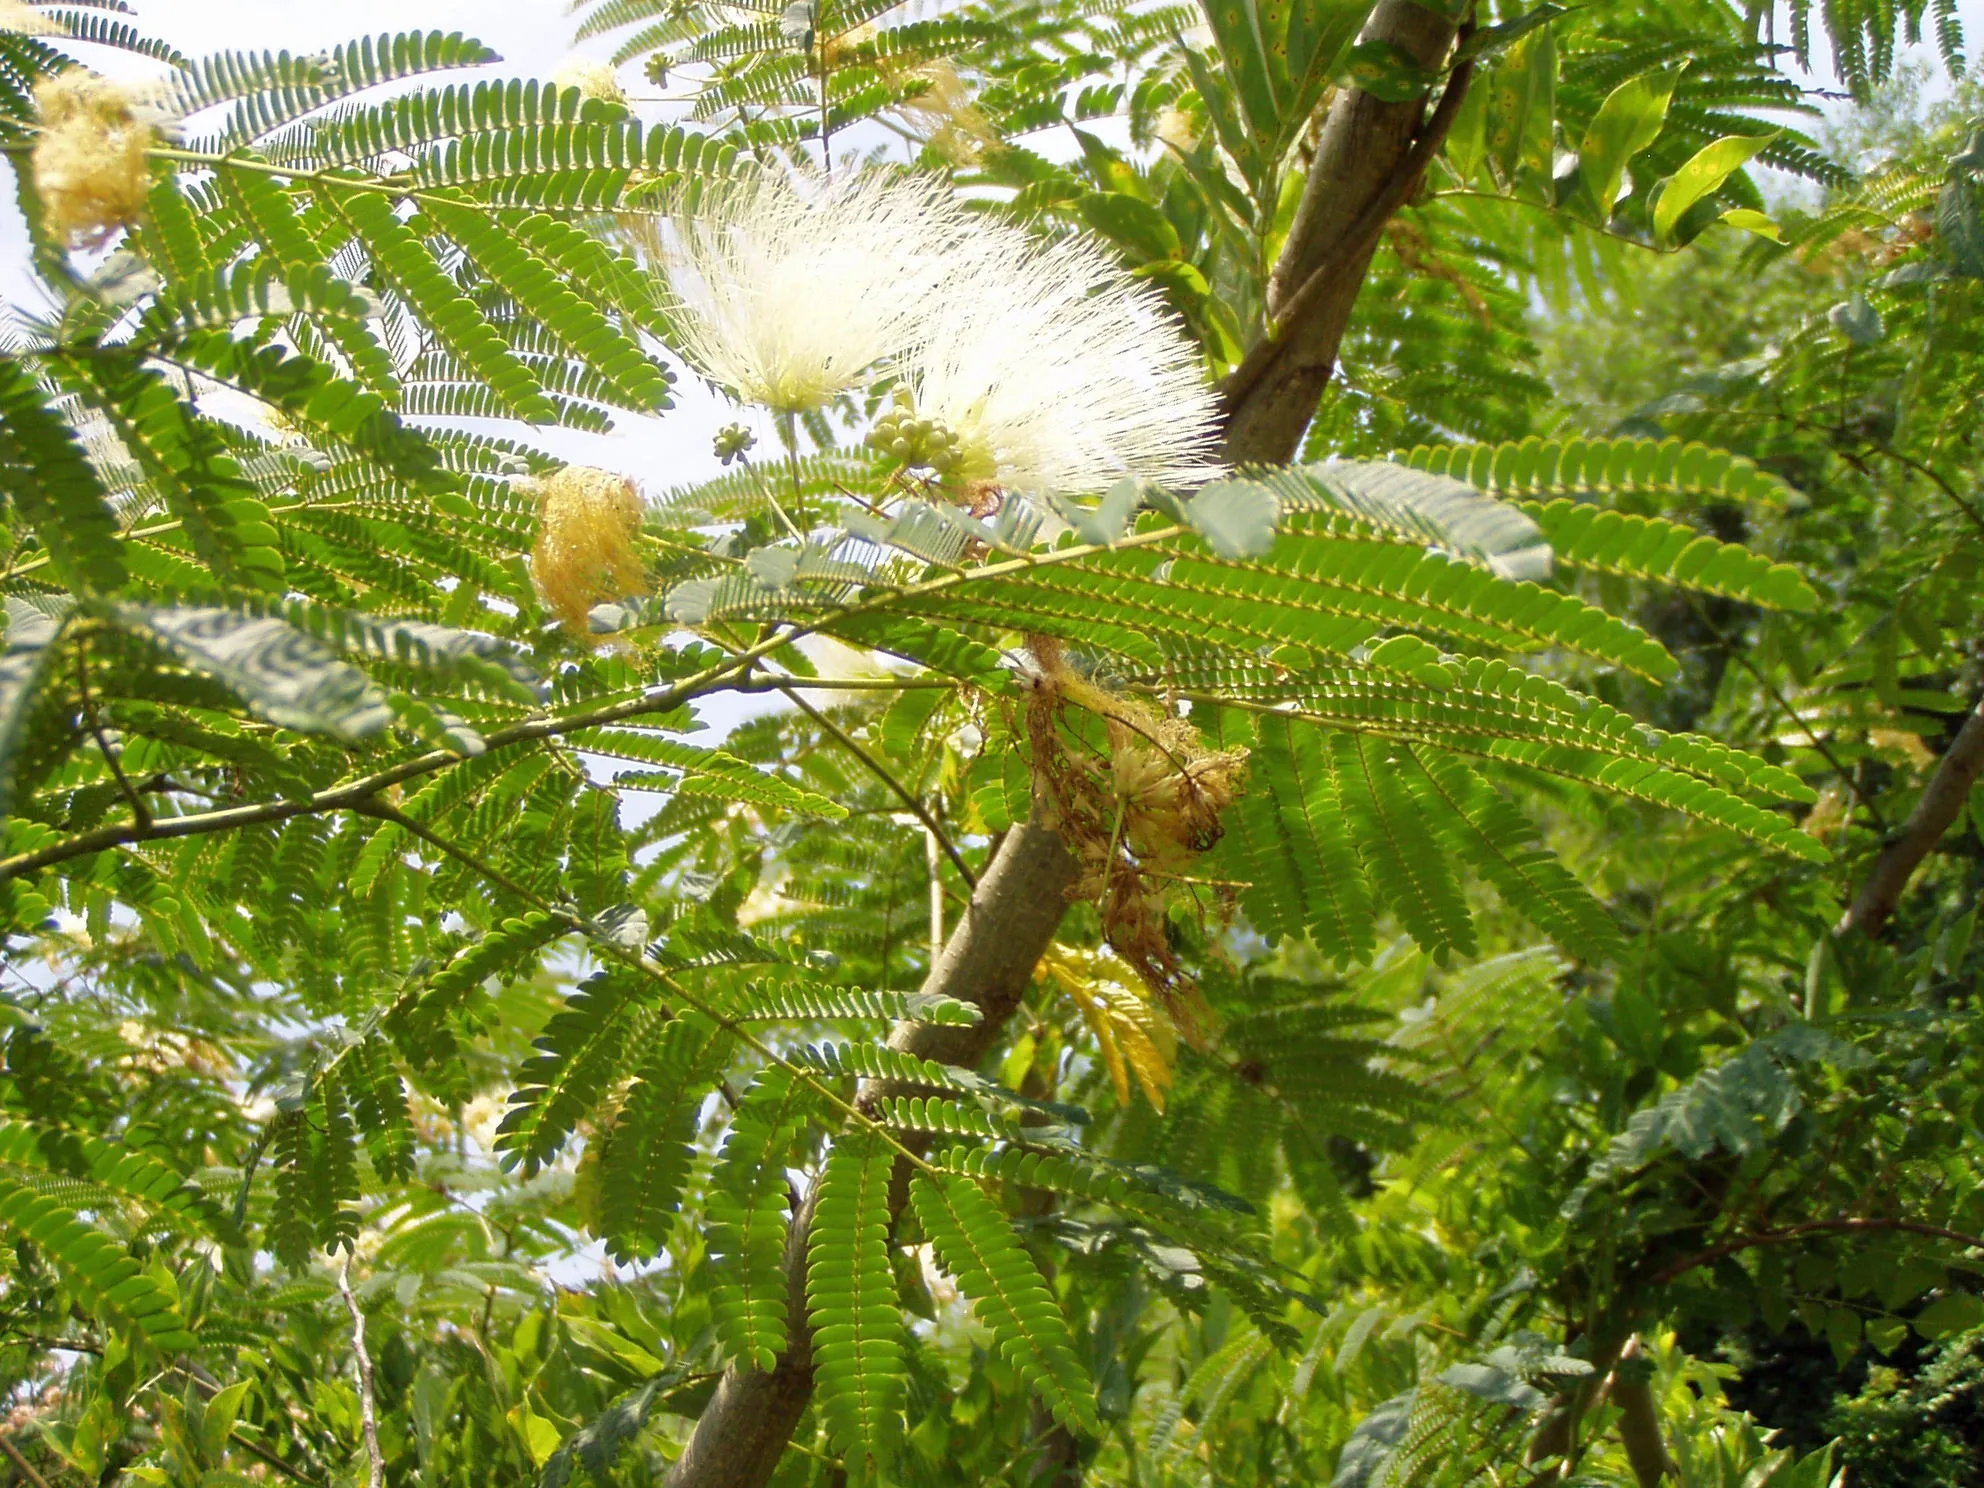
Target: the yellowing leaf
(540, 1436)
(1627, 122)
(1753, 222)
(1704, 173)
(1132, 1034)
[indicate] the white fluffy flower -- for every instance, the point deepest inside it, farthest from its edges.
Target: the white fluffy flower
(1057, 372)
(788, 291)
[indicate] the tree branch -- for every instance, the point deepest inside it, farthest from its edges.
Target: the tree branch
(1368, 163)
(1360, 239)
(1791, 1234)
(1903, 853)
(1371, 159)
(882, 772)
(989, 962)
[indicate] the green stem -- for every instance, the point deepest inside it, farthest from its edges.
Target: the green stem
(605, 945)
(882, 772)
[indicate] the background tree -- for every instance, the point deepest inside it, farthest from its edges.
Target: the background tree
(1070, 1036)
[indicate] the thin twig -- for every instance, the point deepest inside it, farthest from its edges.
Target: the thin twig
(1771, 691)
(1794, 1233)
(368, 1405)
(139, 810)
(887, 777)
(21, 1464)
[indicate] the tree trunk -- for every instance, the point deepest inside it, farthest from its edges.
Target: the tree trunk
(1903, 853)
(989, 961)
(1369, 161)
(1371, 156)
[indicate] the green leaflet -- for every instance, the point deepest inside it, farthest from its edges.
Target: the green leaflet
(646, 1154)
(581, 1050)
(710, 772)
(775, 1002)
(377, 1097)
(1543, 469)
(96, 1266)
(45, 473)
(504, 951)
(276, 669)
(410, 267)
(1507, 851)
(747, 1219)
(185, 456)
(859, 1376)
(1447, 513)
(574, 321)
(1286, 837)
(1401, 854)
(31, 646)
(118, 1169)
(975, 1242)
(1703, 174)
(1587, 536)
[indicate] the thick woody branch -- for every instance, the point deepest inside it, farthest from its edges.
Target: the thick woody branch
(989, 961)
(1370, 159)
(1903, 853)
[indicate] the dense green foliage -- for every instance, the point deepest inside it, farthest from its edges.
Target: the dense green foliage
(421, 1033)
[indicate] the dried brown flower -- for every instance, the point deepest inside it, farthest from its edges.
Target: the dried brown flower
(1135, 816)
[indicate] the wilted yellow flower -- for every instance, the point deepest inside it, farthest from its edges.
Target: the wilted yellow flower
(585, 554)
(1177, 129)
(90, 170)
(943, 114)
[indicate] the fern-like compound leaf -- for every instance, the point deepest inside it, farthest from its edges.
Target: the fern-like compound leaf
(859, 1376)
(975, 1243)
(747, 1219)
(646, 1155)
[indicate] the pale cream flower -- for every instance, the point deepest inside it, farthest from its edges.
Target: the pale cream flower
(593, 79)
(25, 20)
(1055, 371)
(91, 171)
(585, 555)
(788, 290)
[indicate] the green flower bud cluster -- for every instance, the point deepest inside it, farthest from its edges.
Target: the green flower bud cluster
(919, 443)
(732, 441)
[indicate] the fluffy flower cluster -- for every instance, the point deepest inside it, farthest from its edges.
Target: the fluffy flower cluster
(585, 554)
(24, 20)
(593, 79)
(789, 292)
(1048, 366)
(90, 168)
